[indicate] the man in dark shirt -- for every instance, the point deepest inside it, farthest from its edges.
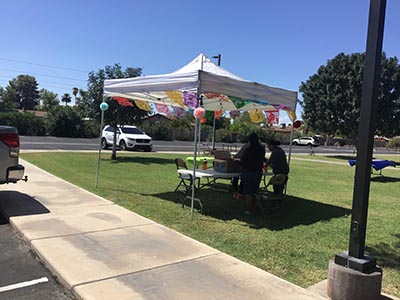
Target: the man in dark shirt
(278, 163)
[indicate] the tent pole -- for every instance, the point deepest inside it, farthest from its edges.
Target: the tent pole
(199, 141)
(290, 142)
(213, 133)
(196, 125)
(98, 159)
(291, 136)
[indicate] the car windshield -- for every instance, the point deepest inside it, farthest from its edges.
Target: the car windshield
(131, 130)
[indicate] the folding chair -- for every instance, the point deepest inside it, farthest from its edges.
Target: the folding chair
(185, 179)
(268, 199)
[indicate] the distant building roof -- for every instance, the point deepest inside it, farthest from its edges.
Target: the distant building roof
(37, 113)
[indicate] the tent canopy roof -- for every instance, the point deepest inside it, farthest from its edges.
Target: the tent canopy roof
(204, 77)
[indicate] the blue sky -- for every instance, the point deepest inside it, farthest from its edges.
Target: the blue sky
(279, 43)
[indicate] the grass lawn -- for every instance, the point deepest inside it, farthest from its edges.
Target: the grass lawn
(294, 242)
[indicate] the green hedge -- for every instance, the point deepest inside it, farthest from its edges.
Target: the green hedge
(26, 123)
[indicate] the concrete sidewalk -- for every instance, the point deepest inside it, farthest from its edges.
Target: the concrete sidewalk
(102, 251)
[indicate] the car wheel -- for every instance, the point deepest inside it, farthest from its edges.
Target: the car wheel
(104, 143)
(309, 144)
(122, 145)
(295, 143)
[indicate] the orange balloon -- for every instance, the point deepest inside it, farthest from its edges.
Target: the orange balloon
(203, 120)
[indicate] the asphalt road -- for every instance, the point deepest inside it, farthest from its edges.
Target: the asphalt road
(22, 276)
(78, 144)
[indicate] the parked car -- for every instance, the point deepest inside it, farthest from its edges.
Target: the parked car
(306, 141)
(10, 170)
(128, 138)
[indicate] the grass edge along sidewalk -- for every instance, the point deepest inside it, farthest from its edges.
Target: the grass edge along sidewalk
(294, 242)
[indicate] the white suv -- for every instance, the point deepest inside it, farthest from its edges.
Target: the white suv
(10, 170)
(128, 138)
(306, 141)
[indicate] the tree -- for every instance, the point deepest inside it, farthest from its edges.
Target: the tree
(66, 98)
(332, 96)
(48, 99)
(75, 91)
(22, 92)
(115, 114)
(84, 105)
(3, 105)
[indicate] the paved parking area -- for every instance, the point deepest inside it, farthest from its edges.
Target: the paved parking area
(22, 276)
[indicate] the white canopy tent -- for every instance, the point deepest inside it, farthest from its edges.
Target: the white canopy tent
(201, 76)
(216, 88)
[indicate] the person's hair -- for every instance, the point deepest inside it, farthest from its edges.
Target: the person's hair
(253, 140)
(273, 142)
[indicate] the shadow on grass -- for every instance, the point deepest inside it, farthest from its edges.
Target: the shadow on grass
(142, 160)
(342, 157)
(385, 179)
(348, 157)
(292, 212)
(387, 255)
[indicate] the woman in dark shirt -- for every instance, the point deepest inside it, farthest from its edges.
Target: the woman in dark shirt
(252, 163)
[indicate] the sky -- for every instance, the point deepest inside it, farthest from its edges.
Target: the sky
(278, 43)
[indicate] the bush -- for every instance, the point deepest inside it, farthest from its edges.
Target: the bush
(90, 129)
(394, 143)
(158, 131)
(183, 134)
(26, 123)
(225, 136)
(64, 121)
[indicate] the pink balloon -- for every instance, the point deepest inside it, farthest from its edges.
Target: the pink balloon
(199, 113)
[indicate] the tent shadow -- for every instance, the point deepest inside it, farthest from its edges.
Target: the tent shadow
(13, 204)
(342, 157)
(385, 179)
(387, 255)
(140, 160)
(292, 212)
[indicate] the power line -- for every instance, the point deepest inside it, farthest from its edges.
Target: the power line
(45, 86)
(42, 65)
(44, 82)
(52, 76)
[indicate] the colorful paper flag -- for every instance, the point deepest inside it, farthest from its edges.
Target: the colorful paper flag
(190, 99)
(234, 114)
(256, 116)
(272, 116)
(162, 108)
(292, 115)
(122, 101)
(179, 111)
(175, 96)
(239, 102)
(218, 114)
(143, 105)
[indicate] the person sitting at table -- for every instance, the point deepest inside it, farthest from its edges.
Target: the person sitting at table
(238, 188)
(278, 163)
(252, 162)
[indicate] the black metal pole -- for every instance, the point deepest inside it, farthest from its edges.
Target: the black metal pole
(369, 104)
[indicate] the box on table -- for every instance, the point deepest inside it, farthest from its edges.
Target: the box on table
(226, 165)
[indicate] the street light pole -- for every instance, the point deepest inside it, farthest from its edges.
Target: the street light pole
(213, 132)
(369, 103)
